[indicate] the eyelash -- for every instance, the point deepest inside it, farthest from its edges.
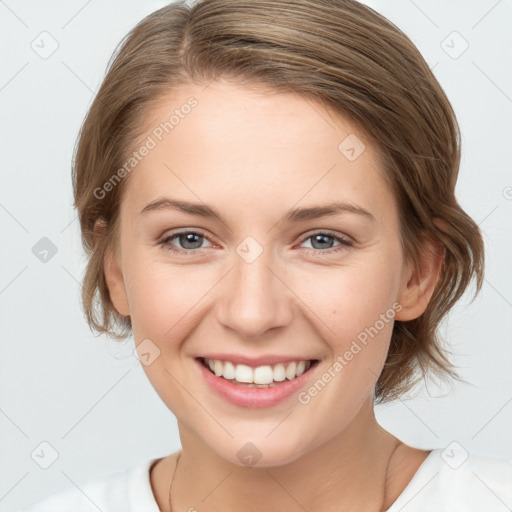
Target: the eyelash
(344, 242)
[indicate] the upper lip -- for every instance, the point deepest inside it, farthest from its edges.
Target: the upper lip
(256, 361)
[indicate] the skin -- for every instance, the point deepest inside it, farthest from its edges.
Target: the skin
(253, 156)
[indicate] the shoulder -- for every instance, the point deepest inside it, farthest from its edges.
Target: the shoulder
(118, 491)
(479, 481)
(453, 479)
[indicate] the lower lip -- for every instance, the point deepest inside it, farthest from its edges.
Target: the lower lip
(254, 398)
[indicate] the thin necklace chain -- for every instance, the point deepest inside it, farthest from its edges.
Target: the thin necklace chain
(172, 480)
(384, 494)
(384, 490)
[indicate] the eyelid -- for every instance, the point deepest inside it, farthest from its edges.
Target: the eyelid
(329, 232)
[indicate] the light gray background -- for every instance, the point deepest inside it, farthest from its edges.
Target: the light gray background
(88, 397)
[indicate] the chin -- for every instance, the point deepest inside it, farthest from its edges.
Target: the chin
(254, 451)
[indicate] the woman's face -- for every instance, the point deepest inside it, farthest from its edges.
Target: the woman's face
(267, 276)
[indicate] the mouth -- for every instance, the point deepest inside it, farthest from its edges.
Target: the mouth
(265, 376)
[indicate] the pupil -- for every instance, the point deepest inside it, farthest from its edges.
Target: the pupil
(321, 238)
(188, 238)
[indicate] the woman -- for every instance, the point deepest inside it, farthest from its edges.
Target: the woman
(266, 196)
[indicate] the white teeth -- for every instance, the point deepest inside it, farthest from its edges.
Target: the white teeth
(242, 373)
(229, 370)
(291, 371)
(279, 372)
(301, 367)
(261, 376)
(218, 368)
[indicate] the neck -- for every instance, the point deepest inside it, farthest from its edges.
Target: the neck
(346, 473)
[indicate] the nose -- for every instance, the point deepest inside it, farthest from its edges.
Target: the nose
(254, 298)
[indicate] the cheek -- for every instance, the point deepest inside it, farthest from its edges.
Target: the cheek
(354, 310)
(354, 314)
(348, 299)
(163, 298)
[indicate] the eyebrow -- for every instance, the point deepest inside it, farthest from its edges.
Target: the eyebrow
(293, 215)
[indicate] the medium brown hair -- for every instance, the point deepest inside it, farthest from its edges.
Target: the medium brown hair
(339, 53)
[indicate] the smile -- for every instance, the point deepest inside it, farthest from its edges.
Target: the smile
(264, 376)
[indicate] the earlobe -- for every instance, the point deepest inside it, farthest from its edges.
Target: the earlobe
(114, 276)
(420, 281)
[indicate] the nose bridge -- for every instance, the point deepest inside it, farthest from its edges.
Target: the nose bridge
(254, 299)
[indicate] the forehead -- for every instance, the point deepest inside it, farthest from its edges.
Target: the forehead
(252, 149)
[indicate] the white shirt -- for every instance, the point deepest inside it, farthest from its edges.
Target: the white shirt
(447, 481)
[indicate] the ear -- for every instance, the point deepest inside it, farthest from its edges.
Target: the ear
(113, 274)
(420, 281)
